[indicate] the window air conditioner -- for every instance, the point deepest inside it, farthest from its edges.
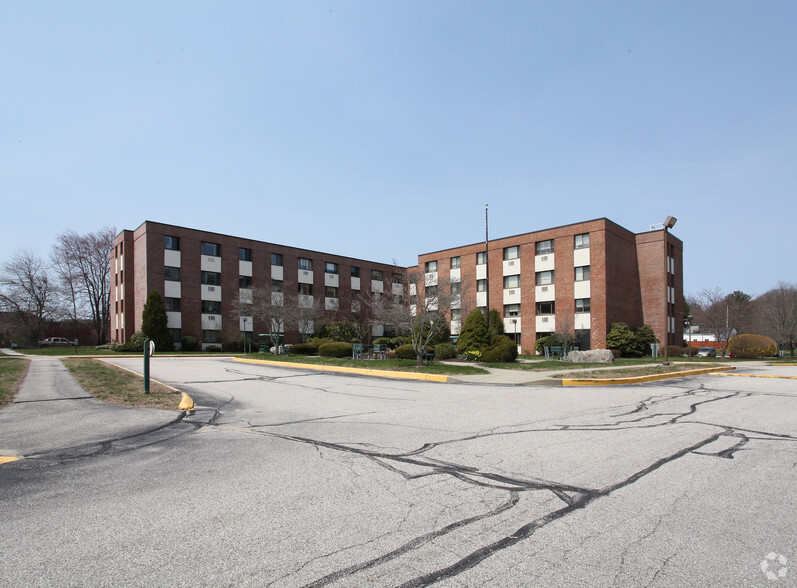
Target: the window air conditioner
(211, 288)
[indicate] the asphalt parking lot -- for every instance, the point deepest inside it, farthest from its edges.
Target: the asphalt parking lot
(287, 477)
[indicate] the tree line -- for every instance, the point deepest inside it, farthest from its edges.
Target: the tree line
(722, 314)
(71, 286)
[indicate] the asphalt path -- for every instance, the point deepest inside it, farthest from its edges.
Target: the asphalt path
(286, 477)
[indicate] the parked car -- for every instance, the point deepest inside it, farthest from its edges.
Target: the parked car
(56, 342)
(707, 352)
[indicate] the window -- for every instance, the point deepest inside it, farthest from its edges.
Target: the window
(544, 247)
(582, 241)
(544, 278)
(511, 281)
(511, 310)
(511, 252)
(582, 273)
(211, 307)
(276, 285)
(456, 314)
(245, 282)
(398, 299)
(276, 259)
(455, 288)
(481, 285)
(244, 254)
(455, 261)
(177, 335)
(431, 266)
(172, 304)
(331, 292)
(430, 291)
(582, 304)
(172, 243)
(355, 271)
(376, 275)
(305, 264)
(212, 249)
(306, 289)
(171, 273)
(211, 336)
(546, 307)
(398, 279)
(211, 278)
(481, 257)
(331, 268)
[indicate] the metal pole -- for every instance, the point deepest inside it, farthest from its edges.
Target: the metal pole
(146, 366)
(486, 261)
(666, 300)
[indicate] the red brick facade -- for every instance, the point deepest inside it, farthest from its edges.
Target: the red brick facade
(625, 279)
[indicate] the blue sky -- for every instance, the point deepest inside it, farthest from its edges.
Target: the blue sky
(380, 129)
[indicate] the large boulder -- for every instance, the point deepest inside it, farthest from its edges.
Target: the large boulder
(591, 356)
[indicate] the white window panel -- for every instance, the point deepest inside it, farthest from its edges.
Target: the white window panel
(305, 276)
(171, 258)
(543, 263)
(546, 324)
(355, 283)
(509, 327)
(244, 268)
(211, 322)
(377, 286)
(455, 275)
(332, 280)
(174, 320)
(481, 272)
(545, 293)
(581, 257)
(170, 289)
(581, 289)
(210, 263)
(430, 279)
(481, 299)
(331, 303)
(512, 296)
(277, 272)
(583, 320)
(212, 293)
(511, 267)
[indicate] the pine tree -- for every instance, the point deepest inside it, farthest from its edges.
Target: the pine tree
(154, 323)
(474, 335)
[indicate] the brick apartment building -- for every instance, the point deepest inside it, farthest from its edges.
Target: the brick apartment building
(577, 278)
(201, 275)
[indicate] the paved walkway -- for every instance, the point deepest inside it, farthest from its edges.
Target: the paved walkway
(51, 412)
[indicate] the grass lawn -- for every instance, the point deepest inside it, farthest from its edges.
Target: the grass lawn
(12, 372)
(632, 372)
(117, 386)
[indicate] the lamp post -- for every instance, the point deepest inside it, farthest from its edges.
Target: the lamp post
(245, 337)
(486, 262)
(514, 324)
(669, 223)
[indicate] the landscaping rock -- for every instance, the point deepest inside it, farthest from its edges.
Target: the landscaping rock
(591, 356)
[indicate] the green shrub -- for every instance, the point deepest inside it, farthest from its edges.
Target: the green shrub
(549, 341)
(473, 355)
(752, 346)
(335, 349)
(445, 351)
(189, 343)
(503, 350)
(693, 351)
(405, 352)
(473, 336)
(305, 349)
(672, 351)
(213, 348)
(128, 348)
(319, 341)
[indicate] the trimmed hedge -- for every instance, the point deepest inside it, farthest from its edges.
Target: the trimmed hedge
(335, 349)
(304, 349)
(503, 350)
(752, 346)
(406, 352)
(445, 351)
(189, 343)
(672, 351)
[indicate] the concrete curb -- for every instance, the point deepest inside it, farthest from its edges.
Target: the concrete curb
(348, 370)
(642, 379)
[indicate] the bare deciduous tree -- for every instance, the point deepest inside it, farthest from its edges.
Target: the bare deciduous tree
(28, 293)
(81, 263)
(721, 314)
(423, 317)
(777, 313)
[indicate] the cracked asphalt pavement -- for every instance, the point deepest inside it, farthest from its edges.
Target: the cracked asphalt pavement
(286, 477)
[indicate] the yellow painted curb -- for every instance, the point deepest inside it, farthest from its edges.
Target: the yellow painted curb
(761, 376)
(640, 379)
(7, 459)
(349, 370)
(187, 403)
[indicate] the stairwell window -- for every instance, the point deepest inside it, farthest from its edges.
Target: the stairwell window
(581, 241)
(211, 249)
(511, 252)
(582, 273)
(544, 278)
(544, 247)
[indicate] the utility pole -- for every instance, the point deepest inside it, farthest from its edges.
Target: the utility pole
(486, 262)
